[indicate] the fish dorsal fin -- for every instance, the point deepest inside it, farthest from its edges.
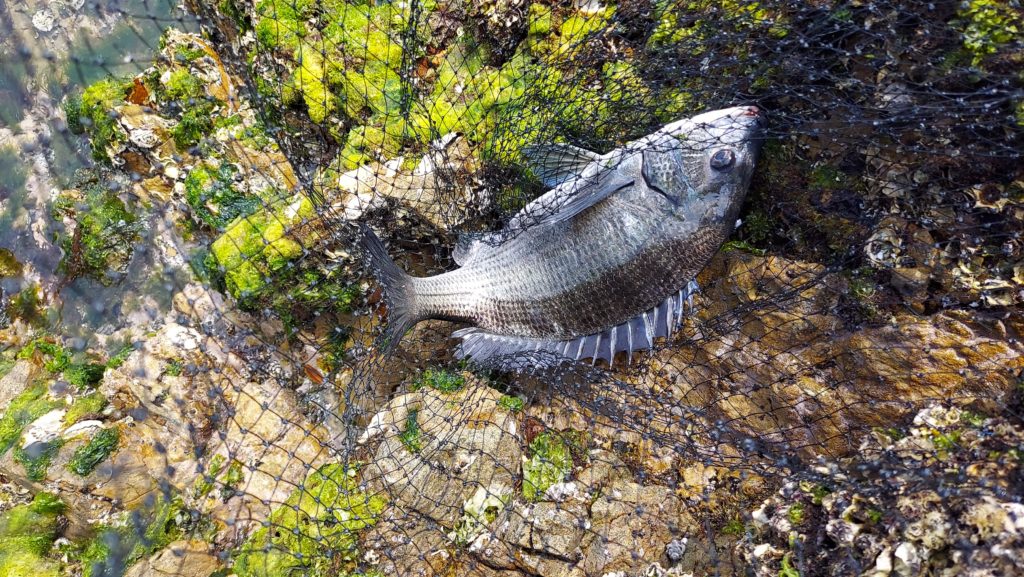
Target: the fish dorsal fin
(470, 244)
(557, 163)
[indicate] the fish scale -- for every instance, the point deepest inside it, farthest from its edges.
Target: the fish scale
(602, 263)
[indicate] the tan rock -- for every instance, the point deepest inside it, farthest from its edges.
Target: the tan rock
(466, 442)
(178, 559)
(16, 381)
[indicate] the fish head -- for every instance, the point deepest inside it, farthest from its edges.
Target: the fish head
(704, 164)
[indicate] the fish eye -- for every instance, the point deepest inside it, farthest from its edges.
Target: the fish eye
(722, 159)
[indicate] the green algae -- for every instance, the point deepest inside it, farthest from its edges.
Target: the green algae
(93, 114)
(550, 462)
(987, 26)
(195, 123)
(54, 356)
(27, 306)
(216, 475)
(186, 54)
(118, 358)
(213, 197)
(255, 247)
(174, 368)
(439, 380)
(512, 404)
(36, 458)
(89, 456)
(9, 265)
(734, 528)
(315, 532)
(84, 375)
(143, 532)
(234, 476)
(796, 514)
(411, 435)
(183, 86)
(787, 569)
(300, 293)
(23, 409)
(104, 235)
(90, 405)
(478, 511)
(204, 484)
(27, 533)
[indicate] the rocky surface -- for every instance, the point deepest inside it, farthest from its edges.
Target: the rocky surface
(474, 516)
(948, 504)
(232, 414)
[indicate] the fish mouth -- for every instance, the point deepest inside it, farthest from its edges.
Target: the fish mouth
(755, 113)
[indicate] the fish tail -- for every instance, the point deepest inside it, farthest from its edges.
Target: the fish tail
(399, 291)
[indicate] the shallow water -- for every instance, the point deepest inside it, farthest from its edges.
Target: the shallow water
(39, 157)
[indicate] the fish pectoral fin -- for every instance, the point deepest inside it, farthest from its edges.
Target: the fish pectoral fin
(556, 163)
(469, 244)
(586, 195)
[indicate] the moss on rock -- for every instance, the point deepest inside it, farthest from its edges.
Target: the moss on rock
(84, 375)
(83, 407)
(440, 380)
(104, 234)
(315, 532)
(142, 532)
(253, 248)
(23, 409)
(550, 462)
(211, 193)
(36, 458)
(92, 113)
(987, 26)
(27, 533)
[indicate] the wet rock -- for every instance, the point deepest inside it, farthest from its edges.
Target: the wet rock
(464, 442)
(16, 380)
(168, 418)
(861, 377)
(44, 21)
(178, 558)
(899, 523)
(437, 190)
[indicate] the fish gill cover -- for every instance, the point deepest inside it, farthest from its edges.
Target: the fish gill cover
(197, 374)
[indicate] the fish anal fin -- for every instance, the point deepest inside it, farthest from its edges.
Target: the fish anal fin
(517, 353)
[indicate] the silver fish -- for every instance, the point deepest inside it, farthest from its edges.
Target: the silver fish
(602, 263)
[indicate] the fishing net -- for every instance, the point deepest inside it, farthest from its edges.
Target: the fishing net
(195, 376)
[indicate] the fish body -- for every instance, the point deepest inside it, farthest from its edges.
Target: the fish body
(605, 261)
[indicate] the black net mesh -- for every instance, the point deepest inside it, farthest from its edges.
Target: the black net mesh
(196, 376)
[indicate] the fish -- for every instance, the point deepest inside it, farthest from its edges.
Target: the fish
(603, 263)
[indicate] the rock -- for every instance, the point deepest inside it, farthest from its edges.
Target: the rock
(44, 21)
(899, 523)
(16, 380)
(44, 429)
(258, 422)
(170, 416)
(466, 442)
(144, 138)
(794, 360)
(632, 526)
(178, 559)
(428, 190)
